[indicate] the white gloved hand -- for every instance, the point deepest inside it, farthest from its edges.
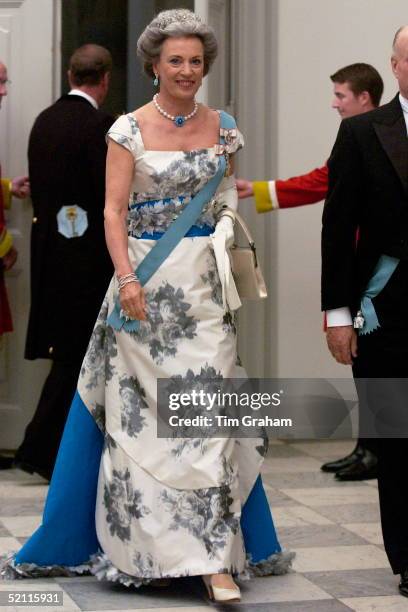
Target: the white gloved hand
(225, 227)
(221, 240)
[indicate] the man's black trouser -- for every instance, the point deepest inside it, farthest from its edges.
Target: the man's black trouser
(383, 354)
(43, 434)
(369, 444)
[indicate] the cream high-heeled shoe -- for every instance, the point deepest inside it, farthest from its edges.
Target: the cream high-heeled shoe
(221, 594)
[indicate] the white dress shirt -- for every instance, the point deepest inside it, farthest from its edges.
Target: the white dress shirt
(404, 106)
(79, 92)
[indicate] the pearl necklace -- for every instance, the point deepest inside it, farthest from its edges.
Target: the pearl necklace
(178, 120)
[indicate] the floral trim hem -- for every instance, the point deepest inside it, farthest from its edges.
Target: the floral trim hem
(275, 565)
(9, 570)
(103, 569)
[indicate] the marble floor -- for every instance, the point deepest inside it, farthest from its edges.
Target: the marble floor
(333, 527)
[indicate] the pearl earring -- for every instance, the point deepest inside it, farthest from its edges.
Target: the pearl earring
(156, 80)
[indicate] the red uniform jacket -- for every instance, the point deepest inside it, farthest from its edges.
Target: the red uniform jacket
(306, 189)
(296, 191)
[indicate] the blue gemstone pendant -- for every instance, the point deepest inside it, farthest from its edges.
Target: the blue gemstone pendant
(179, 121)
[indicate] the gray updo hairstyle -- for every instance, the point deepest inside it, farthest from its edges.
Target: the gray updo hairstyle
(175, 23)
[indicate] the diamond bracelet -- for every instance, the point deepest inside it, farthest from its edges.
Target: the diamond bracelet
(126, 279)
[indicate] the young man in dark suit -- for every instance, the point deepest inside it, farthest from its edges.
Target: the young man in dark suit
(70, 265)
(368, 188)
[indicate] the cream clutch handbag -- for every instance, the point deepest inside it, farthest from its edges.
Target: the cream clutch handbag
(245, 266)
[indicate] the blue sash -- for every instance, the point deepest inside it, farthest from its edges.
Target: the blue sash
(174, 234)
(382, 273)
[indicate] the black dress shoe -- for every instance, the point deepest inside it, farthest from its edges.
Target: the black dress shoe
(341, 464)
(6, 463)
(31, 469)
(363, 469)
(403, 585)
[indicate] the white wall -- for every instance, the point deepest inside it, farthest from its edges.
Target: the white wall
(315, 38)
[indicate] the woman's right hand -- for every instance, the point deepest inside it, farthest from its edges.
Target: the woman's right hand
(133, 302)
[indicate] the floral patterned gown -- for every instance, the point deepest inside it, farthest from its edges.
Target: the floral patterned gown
(166, 507)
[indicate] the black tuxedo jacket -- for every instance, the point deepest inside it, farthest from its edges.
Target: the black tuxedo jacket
(368, 189)
(69, 276)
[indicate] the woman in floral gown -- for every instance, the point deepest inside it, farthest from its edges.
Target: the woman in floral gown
(166, 507)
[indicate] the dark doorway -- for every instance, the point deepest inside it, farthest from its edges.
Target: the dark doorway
(115, 24)
(141, 12)
(104, 22)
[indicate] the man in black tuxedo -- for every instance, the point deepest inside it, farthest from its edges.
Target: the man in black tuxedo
(70, 265)
(368, 189)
